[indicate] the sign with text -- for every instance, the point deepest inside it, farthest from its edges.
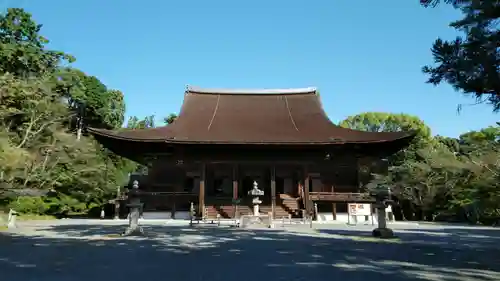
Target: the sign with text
(359, 209)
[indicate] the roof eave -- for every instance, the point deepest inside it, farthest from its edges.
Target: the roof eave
(409, 136)
(101, 133)
(224, 91)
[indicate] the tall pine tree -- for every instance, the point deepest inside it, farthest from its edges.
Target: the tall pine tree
(471, 62)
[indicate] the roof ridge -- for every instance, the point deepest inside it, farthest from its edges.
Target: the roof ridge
(277, 91)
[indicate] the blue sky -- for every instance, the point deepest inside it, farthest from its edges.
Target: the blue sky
(362, 55)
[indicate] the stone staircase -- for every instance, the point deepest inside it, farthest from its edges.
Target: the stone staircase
(278, 211)
(225, 211)
(291, 205)
(285, 206)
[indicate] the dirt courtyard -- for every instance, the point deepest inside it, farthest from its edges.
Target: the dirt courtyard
(79, 250)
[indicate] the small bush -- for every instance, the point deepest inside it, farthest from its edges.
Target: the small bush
(30, 205)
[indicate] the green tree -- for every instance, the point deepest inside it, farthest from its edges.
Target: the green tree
(470, 63)
(392, 122)
(468, 182)
(490, 135)
(170, 118)
(22, 48)
(135, 123)
(446, 182)
(386, 122)
(451, 144)
(114, 110)
(433, 3)
(39, 99)
(401, 165)
(91, 102)
(32, 132)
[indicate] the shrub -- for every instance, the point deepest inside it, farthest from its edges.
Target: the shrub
(29, 205)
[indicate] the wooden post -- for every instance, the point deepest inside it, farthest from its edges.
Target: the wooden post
(273, 191)
(117, 209)
(174, 199)
(358, 175)
(201, 197)
(235, 190)
(334, 206)
(117, 203)
(306, 192)
(191, 214)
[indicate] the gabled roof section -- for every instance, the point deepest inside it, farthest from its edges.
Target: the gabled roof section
(258, 116)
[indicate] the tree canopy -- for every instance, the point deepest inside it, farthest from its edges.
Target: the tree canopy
(471, 62)
(439, 178)
(23, 51)
(42, 101)
(386, 122)
(170, 118)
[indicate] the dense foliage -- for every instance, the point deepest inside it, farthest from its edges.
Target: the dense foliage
(45, 106)
(48, 165)
(471, 62)
(439, 178)
(459, 178)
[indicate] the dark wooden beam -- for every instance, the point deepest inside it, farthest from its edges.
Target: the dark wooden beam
(307, 200)
(235, 189)
(342, 197)
(334, 206)
(262, 154)
(201, 198)
(358, 174)
(241, 161)
(273, 191)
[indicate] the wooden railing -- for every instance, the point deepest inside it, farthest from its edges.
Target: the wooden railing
(167, 193)
(146, 194)
(341, 197)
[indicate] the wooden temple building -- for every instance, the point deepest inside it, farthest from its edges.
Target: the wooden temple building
(224, 140)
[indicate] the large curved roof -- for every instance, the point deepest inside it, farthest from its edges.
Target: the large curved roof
(269, 116)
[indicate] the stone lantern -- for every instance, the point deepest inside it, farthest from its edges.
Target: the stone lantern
(255, 193)
(135, 206)
(383, 200)
(256, 218)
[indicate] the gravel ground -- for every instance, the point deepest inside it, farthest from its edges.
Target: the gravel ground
(77, 250)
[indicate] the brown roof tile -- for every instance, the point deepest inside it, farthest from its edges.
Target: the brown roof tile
(280, 116)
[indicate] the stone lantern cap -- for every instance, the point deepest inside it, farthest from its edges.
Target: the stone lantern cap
(135, 184)
(255, 190)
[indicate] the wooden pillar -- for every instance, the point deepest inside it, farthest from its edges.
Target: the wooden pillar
(235, 190)
(273, 191)
(358, 177)
(117, 208)
(174, 199)
(298, 188)
(306, 191)
(334, 206)
(201, 196)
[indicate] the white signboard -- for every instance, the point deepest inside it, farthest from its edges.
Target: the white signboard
(359, 209)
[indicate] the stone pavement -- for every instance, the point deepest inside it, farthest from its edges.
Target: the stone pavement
(78, 250)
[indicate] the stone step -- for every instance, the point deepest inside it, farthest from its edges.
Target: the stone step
(228, 211)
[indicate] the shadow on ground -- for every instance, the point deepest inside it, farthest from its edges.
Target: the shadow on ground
(477, 239)
(87, 252)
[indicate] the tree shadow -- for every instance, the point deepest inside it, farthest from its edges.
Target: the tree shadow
(476, 239)
(171, 252)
